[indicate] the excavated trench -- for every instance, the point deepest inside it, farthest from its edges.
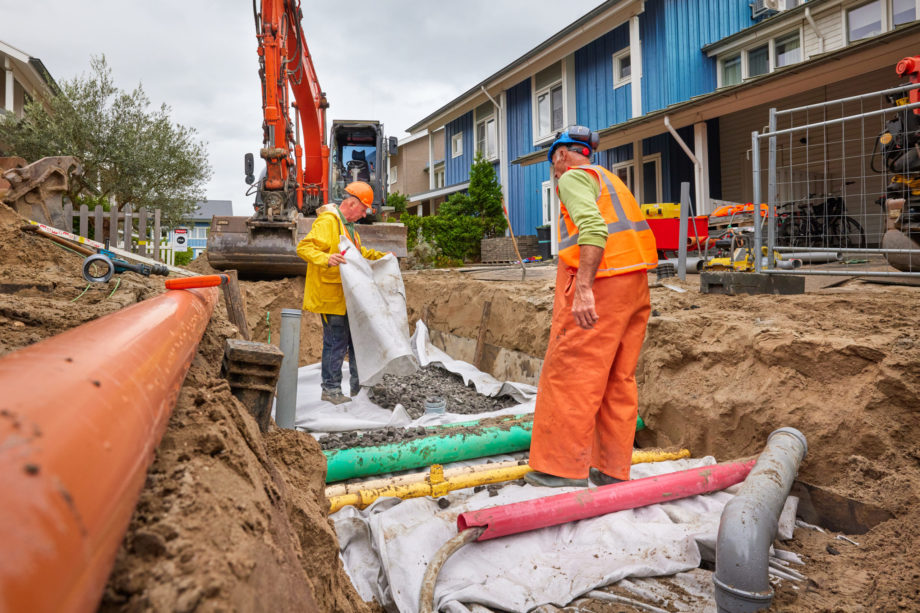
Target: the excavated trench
(231, 519)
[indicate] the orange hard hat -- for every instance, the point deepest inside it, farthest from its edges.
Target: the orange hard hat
(362, 191)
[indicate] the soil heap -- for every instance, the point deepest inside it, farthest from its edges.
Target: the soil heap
(231, 520)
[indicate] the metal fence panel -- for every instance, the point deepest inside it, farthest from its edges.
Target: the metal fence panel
(842, 188)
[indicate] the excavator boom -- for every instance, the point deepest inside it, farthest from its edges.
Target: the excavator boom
(296, 180)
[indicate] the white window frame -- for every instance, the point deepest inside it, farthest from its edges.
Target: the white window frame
(546, 190)
(771, 54)
(652, 158)
(616, 59)
(630, 165)
(721, 68)
(439, 177)
(456, 145)
(541, 139)
(485, 121)
(199, 232)
(393, 174)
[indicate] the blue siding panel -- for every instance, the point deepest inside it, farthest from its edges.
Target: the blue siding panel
(524, 182)
(673, 32)
(597, 104)
(457, 170)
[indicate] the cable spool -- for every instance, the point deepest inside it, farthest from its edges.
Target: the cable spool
(98, 268)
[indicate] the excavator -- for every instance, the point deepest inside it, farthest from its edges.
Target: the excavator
(899, 148)
(299, 175)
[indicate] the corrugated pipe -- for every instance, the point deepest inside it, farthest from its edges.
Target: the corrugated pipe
(468, 440)
(438, 482)
(81, 415)
(749, 523)
(528, 515)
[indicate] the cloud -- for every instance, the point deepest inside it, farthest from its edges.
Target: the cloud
(391, 60)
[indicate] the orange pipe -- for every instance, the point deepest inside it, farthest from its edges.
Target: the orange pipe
(199, 281)
(81, 415)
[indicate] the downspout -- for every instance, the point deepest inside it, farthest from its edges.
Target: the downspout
(81, 415)
(697, 166)
(749, 523)
(814, 26)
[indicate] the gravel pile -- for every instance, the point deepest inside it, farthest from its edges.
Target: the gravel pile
(433, 381)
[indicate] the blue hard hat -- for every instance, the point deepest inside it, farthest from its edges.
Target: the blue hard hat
(574, 136)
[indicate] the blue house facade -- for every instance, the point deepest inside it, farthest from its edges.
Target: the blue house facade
(198, 222)
(675, 88)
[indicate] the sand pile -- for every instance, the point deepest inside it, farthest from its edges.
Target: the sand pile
(231, 520)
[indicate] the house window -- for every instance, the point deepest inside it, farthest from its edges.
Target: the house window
(731, 70)
(787, 50)
(549, 111)
(651, 179)
(486, 141)
(903, 11)
(456, 145)
(864, 21)
(393, 174)
(624, 170)
(439, 178)
(622, 69)
(547, 202)
(758, 61)
(200, 232)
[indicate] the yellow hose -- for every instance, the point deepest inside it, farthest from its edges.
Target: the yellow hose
(438, 482)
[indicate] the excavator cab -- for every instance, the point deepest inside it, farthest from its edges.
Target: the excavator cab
(358, 152)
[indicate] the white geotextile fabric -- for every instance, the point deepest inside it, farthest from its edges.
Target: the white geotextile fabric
(316, 415)
(386, 547)
(376, 300)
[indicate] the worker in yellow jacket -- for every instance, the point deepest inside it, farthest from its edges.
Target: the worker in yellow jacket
(323, 292)
(587, 401)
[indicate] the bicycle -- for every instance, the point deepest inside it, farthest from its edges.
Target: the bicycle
(818, 223)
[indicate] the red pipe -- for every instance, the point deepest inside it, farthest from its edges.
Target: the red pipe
(81, 415)
(572, 506)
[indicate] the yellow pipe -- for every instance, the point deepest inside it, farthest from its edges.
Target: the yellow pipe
(438, 482)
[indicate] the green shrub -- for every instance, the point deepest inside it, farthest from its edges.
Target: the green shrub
(398, 202)
(183, 258)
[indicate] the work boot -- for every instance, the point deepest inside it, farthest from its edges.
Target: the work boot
(547, 480)
(354, 391)
(598, 478)
(334, 396)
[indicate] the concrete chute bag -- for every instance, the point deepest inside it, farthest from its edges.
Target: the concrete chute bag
(376, 303)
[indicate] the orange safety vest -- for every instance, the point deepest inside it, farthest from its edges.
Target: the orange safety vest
(630, 242)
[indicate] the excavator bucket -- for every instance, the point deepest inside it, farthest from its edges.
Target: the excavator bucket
(36, 190)
(263, 249)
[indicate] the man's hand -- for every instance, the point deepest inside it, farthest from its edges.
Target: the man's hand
(583, 308)
(583, 300)
(335, 259)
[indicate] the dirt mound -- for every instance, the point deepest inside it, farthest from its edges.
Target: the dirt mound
(228, 519)
(234, 520)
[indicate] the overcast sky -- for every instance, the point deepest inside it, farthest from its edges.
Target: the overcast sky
(391, 60)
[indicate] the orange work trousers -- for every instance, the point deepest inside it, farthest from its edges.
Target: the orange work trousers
(587, 399)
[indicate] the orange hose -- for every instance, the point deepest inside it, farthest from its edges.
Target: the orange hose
(81, 415)
(199, 281)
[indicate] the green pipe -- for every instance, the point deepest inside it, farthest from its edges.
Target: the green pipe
(440, 448)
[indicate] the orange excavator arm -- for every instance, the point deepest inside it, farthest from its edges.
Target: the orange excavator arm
(294, 171)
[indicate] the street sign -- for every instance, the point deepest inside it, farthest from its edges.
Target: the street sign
(180, 239)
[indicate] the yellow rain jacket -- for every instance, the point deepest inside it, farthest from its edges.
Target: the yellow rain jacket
(323, 287)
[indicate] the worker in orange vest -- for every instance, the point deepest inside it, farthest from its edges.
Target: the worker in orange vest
(587, 399)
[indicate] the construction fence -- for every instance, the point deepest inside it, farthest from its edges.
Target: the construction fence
(842, 182)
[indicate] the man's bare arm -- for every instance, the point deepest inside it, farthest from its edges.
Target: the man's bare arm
(583, 304)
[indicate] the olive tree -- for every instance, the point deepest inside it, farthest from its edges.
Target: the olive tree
(131, 154)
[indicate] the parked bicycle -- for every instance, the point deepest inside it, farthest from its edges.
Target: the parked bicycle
(818, 222)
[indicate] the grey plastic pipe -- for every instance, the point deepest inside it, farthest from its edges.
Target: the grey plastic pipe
(749, 523)
(286, 406)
